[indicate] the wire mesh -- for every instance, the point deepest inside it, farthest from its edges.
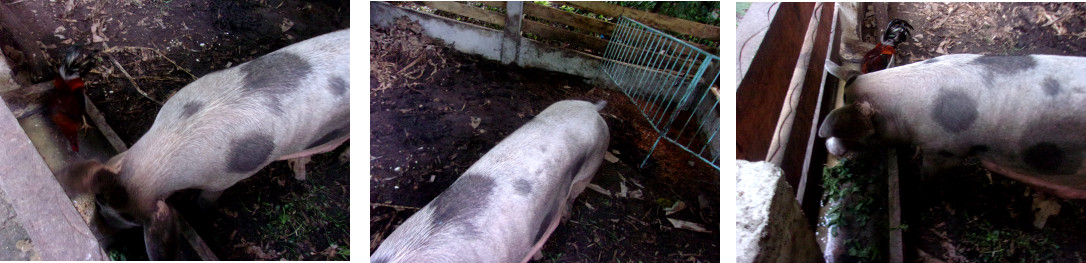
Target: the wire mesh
(673, 83)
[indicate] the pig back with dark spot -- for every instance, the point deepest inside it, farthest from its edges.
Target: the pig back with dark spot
(227, 125)
(1025, 113)
(500, 207)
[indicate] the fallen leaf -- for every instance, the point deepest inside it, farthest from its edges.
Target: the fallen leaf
(1043, 207)
(622, 190)
(610, 157)
(599, 189)
(286, 25)
(475, 122)
(676, 207)
(330, 251)
(680, 224)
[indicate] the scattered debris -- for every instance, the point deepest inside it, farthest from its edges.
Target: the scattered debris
(675, 208)
(599, 189)
(1044, 206)
(610, 157)
(680, 224)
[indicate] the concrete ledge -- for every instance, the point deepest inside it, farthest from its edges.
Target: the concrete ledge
(770, 227)
(37, 219)
(487, 42)
(39, 205)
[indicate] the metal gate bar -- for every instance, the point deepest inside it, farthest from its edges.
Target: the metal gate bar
(668, 79)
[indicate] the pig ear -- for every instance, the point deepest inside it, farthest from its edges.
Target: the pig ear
(160, 235)
(88, 177)
(851, 122)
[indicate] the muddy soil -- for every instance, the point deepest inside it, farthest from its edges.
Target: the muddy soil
(970, 215)
(159, 46)
(424, 98)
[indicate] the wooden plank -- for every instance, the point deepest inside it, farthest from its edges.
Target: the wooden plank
(810, 190)
(549, 32)
(100, 121)
(194, 240)
(897, 253)
(654, 20)
(760, 94)
(585, 23)
(468, 11)
(494, 3)
(750, 32)
(802, 124)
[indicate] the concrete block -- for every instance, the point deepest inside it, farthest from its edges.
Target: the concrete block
(770, 226)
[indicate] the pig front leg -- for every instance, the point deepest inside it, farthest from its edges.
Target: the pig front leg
(160, 236)
(298, 165)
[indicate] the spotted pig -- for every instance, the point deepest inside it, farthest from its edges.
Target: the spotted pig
(223, 128)
(1021, 116)
(503, 208)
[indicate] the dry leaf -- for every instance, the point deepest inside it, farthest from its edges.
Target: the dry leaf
(687, 225)
(610, 157)
(286, 25)
(678, 206)
(599, 189)
(475, 122)
(1043, 207)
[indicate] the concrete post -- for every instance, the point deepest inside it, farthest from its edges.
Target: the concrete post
(514, 15)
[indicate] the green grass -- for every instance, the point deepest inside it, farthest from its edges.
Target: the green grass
(301, 216)
(847, 179)
(1003, 245)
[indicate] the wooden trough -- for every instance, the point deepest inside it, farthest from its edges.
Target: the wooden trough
(778, 114)
(34, 153)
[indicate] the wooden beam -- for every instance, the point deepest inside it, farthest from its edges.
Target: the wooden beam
(761, 92)
(194, 240)
(585, 23)
(468, 11)
(803, 124)
(897, 253)
(554, 33)
(662, 22)
(810, 189)
(494, 3)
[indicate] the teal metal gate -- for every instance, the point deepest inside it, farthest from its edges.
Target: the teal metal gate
(673, 83)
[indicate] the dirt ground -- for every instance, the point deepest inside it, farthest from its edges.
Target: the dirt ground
(970, 215)
(424, 98)
(163, 45)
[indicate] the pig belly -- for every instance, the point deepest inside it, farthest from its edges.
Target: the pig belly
(1061, 190)
(315, 150)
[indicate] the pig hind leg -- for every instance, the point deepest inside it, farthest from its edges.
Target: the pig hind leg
(207, 199)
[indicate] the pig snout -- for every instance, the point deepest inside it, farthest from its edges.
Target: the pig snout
(224, 127)
(1021, 116)
(503, 208)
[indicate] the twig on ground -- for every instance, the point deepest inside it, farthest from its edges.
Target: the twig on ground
(125, 72)
(395, 206)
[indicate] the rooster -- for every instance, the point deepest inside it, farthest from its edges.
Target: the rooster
(882, 55)
(67, 106)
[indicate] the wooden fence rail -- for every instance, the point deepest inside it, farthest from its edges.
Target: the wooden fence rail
(595, 29)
